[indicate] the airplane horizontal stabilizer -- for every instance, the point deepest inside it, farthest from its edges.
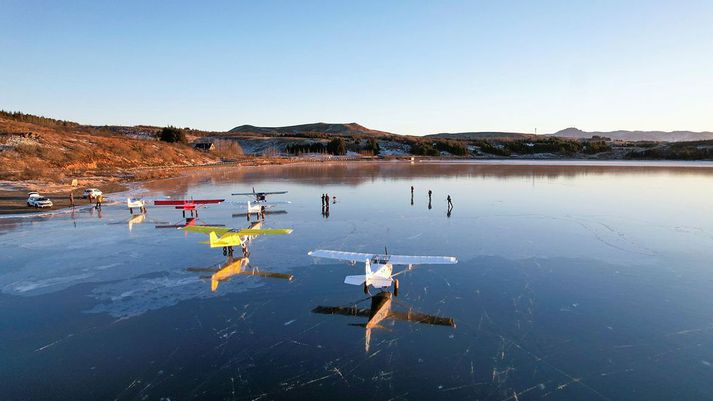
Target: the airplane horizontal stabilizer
(355, 280)
(265, 231)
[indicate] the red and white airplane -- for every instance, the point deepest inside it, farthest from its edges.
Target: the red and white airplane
(187, 204)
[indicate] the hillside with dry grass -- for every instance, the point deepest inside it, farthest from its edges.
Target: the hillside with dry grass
(44, 149)
(310, 130)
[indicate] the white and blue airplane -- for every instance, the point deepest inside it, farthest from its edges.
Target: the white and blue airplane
(379, 269)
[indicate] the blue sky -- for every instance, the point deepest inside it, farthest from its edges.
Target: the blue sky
(408, 67)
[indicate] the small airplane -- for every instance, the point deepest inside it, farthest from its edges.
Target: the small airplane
(259, 196)
(379, 269)
(187, 204)
(381, 309)
(236, 267)
(138, 203)
(230, 237)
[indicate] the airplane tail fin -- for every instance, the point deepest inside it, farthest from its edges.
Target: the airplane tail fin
(213, 240)
(367, 267)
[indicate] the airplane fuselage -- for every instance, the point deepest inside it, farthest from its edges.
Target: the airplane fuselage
(382, 271)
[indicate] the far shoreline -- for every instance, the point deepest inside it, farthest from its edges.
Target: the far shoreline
(13, 193)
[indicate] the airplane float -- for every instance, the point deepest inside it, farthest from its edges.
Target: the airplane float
(381, 309)
(235, 267)
(187, 204)
(230, 237)
(259, 209)
(379, 269)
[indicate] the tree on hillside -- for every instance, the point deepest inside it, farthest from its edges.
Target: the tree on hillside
(228, 148)
(172, 134)
(337, 146)
(373, 146)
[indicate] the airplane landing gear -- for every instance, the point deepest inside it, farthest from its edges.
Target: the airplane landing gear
(225, 251)
(366, 288)
(396, 287)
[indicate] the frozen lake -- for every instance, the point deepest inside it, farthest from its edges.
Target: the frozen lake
(579, 282)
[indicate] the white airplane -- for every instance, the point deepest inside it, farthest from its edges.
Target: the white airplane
(138, 203)
(379, 269)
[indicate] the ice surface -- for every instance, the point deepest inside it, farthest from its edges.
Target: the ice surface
(585, 282)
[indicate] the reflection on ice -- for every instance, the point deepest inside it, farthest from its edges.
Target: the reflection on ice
(380, 310)
(189, 221)
(234, 267)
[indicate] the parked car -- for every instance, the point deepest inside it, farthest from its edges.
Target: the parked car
(91, 193)
(39, 202)
(31, 195)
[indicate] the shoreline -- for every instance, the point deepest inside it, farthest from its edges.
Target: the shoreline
(13, 193)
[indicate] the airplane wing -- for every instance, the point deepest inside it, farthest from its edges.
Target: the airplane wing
(342, 310)
(418, 317)
(169, 202)
(261, 203)
(422, 260)
(260, 193)
(264, 231)
(206, 201)
(181, 202)
(267, 211)
(339, 255)
(206, 229)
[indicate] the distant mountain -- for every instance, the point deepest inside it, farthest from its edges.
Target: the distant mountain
(481, 135)
(339, 129)
(659, 136)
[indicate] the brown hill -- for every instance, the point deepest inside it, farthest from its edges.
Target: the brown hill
(621, 135)
(482, 135)
(33, 147)
(338, 129)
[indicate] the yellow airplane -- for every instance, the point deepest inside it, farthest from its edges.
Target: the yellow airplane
(227, 238)
(234, 267)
